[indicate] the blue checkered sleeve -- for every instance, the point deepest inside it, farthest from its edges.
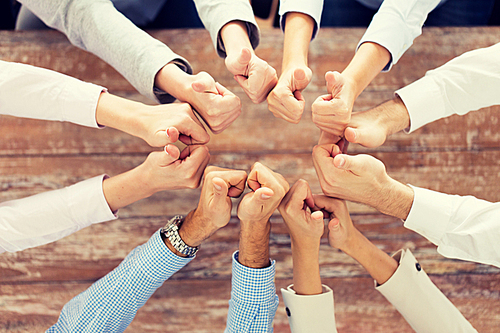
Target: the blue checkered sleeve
(110, 304)
(253, 301)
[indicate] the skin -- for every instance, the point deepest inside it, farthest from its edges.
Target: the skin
(332, 112)
(344, 236)
(254, 211)
(158, 125)
(285, 100)
(305, 230)
(361, 178)
(216, 105)
(255, 76)
(163, 170)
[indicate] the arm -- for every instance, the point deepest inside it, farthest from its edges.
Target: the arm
(464, 84)
(309, 304)
(391, 32)
(32, 92)
(462, 227)
(96, 26)
(47, 217)
(254, 301)
(286, 100)
(403, 283)
(110, 304)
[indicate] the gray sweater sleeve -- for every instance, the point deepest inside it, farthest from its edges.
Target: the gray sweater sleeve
(96, 26)
(215, 14)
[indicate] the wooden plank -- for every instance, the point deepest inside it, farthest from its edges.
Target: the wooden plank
(184, 306)
(96, 250)
(332, 50)
(455, 172)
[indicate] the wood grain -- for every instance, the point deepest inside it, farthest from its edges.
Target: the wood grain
(459, 155)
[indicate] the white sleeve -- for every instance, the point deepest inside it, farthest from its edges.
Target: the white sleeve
(32, 92)
(215, 14)
(96, 26)
(462, 227)
(313, 8)
(419, 301)
(49, 216)
(310, 313)
(396, 24)
(467, 83)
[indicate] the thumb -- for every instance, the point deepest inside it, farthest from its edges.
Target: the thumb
(220, 189)
(259, 198)
(334, 82)
(317, 215)
(300, 79)
(244, 57)
(345, 162)
(334, 224)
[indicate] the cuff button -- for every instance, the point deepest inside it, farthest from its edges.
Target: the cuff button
(419, 268)
(287, 311)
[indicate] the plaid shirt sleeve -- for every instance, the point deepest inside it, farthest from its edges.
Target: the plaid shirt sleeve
(110, 304)
(253, 301)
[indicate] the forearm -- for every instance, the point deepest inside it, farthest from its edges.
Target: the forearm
(32, 92)
(127, 188)
(49, 216)
(392, 198)
(306, 276)
(368, 61)
(235, 37)
(378, 263)
(298, 32)
(96, 26)
(466, 83)
(254, 244)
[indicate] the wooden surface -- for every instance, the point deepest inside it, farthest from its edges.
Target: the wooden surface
(456, 155)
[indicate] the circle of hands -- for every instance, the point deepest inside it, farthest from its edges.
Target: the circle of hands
(342, 177)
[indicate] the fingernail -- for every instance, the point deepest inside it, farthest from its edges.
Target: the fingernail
(165, 149)
(218, 187)
(341, 161)
(166, 132)
(265, 196)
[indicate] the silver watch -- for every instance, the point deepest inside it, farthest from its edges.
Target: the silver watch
(171, 232)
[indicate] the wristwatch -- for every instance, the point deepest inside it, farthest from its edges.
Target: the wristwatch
(171, 232)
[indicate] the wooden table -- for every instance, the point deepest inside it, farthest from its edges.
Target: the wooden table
(456, 155)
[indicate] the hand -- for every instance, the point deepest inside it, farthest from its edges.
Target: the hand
(268, 189)
(341, 230)
(286, 100)
(214, 103)
(214, 208)
(163, 124)
(305, 228)
(162, 170)
(332, 112)
(161, 173)
(372, 127)
(361, 178)
(253, 74)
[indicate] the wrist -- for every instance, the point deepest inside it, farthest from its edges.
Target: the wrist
(174, 81)
(395, 199)
(254, 245)
(195, 229)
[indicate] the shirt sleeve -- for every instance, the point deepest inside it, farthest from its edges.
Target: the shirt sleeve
(313, 8)
(33, 92)
(419, 301)
(96, 26)
(215, 14)
(396, 24)
(110, 304)
(49, 216)
(466, 83)
(464, 228)
(310, 313)
(253, 301)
